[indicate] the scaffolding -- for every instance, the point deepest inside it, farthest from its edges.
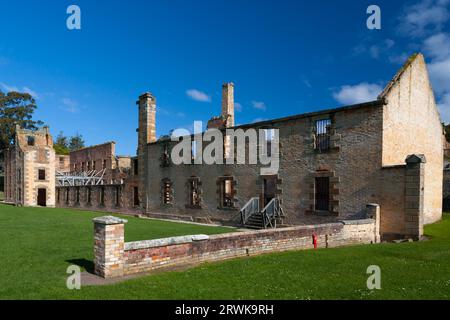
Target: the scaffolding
(85, 178)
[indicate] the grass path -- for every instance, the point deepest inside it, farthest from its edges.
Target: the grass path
(35, 245)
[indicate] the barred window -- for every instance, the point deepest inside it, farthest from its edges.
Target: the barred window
(322, 134)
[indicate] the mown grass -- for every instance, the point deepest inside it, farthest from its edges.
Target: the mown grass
(36, 245)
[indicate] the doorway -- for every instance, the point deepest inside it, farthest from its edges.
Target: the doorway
(42, 197)
(269, 189)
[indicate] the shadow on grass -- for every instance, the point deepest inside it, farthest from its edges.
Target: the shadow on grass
(88, 265)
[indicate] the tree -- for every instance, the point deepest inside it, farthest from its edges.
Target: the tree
(16, 108)
(447, 132)
(76, 142)
(61, 144)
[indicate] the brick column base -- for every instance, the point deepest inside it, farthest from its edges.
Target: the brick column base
(109, 246)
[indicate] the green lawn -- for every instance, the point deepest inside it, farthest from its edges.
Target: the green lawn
(37, 245)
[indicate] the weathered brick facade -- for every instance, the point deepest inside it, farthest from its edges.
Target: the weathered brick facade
(365, 163)
(30, 169)
(114, 258)
(387, 152)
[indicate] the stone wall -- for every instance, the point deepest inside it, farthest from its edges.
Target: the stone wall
(97, 158)
(401, 190)
(352, 163)
(412, 125)
(116, 198)
(31, 153)
(115, 258)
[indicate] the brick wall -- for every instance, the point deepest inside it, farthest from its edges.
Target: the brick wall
(412, 125)
(117, 198)
(353, 163)
(143, 256)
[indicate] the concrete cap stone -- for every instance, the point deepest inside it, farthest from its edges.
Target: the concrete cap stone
(357, 222)
(416, 158)
(109, 220)
(164, 242)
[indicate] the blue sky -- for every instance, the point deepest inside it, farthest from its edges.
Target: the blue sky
(285, 57)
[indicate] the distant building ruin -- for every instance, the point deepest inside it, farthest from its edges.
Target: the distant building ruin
(30, 169)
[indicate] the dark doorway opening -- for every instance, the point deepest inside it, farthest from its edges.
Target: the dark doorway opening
(269, 189)
(322, 194)
(42, 197)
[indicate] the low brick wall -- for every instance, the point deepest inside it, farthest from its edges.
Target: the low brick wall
(114, 258)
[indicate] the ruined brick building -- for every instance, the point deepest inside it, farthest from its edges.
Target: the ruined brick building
(30, 169)
(333, 163)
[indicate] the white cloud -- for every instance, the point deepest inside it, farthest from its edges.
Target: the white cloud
(438, 46)
(198, 95)
(376, 51)
(398, 58)
(69, 105)
(30, 92)
(440, 75)
(8, 88)
(259, 105)
(424, 17)
(444, 108)
(25, 89)
(258, 120)
(363, 92)
(238, 106)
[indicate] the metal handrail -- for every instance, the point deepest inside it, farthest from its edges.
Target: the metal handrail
(271, 210)
(250, 208)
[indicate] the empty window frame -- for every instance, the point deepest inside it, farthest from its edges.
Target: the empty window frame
(30, 141)
(102, 196)
(136, 196)
(41, 174)
(117, 202)
(165, 158)
(269, 135)
(227, 193)
(77, 195)
(322, 194)
(135, 167)
(167, 191)
(323, 134)
(194, 192)
(193, 150)
(89, 195)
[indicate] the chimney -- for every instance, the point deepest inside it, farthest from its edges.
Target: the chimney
(147, 125)
(228, 103)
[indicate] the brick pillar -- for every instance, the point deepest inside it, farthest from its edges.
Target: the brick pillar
(109, 246)
(373, 212)
(414, 194)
